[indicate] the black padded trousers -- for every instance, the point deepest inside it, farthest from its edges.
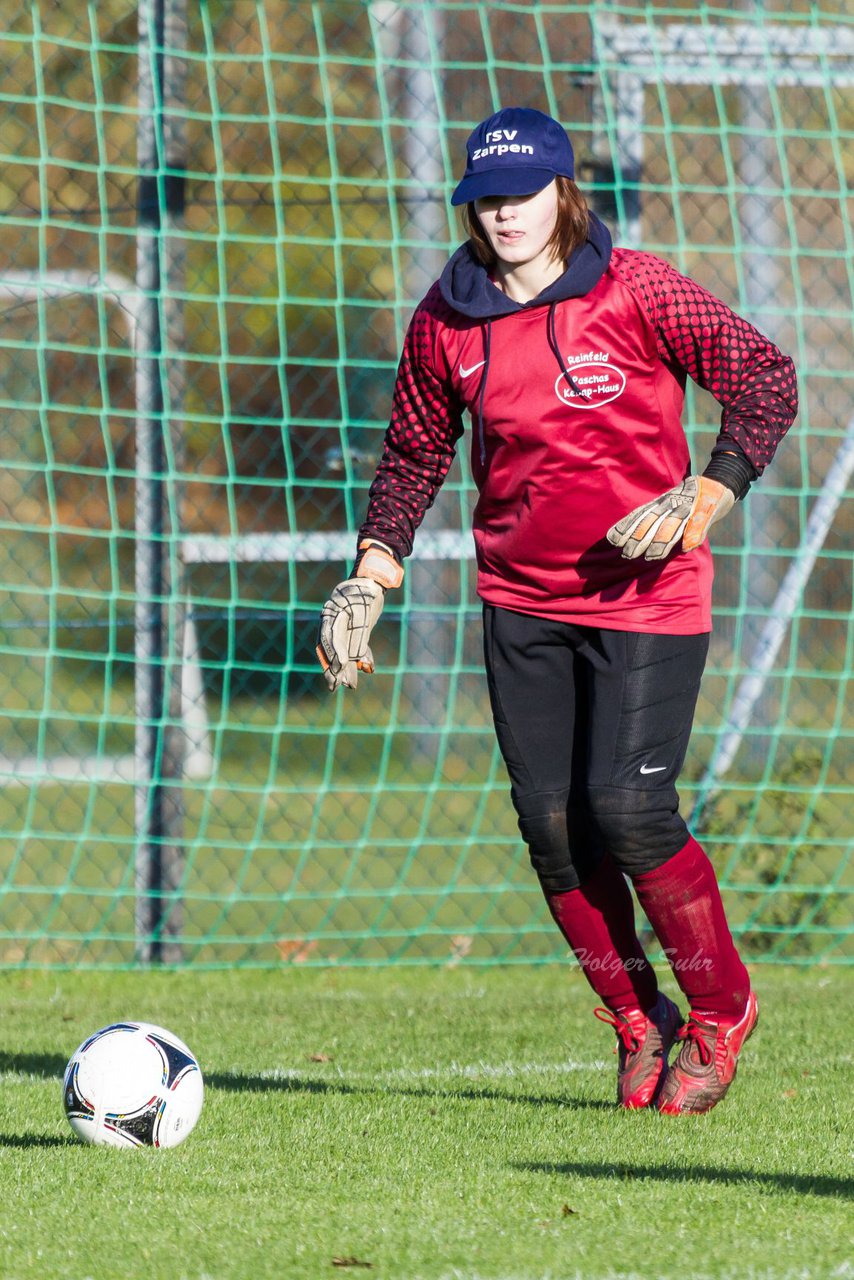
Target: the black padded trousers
(593, 725)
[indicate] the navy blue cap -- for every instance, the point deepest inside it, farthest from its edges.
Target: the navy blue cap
(515, 152)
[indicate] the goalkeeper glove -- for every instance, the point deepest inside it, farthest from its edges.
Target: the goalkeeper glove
(350, 614)
(686, 512)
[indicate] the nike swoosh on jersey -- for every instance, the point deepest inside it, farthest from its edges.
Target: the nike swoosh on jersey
(466, 373)
(659, 768)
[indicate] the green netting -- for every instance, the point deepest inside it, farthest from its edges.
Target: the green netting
(315, 146)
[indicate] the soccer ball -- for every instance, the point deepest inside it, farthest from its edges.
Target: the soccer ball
(133, 1084)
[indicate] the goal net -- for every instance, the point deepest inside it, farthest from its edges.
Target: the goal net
(218, 218)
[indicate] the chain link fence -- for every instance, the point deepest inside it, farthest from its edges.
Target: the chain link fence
(217, 221)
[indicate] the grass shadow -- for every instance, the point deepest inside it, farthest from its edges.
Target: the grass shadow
(803, 1183)
(237, 1082)
(28, 1140)
(50, 1066)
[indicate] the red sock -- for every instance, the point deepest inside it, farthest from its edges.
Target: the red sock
(598, 922)
(683, 904)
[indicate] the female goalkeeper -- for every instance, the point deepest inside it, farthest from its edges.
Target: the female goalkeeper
(571, 358)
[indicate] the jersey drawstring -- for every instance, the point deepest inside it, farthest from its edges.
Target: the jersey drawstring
(487, 343)
(555, 346)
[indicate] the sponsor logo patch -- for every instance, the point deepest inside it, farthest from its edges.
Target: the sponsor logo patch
(598, 381)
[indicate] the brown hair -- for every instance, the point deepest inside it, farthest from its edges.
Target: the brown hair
(571, 225)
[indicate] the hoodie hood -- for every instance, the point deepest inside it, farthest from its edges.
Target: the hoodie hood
(465, 284)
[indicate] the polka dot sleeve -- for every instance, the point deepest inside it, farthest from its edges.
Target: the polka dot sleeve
(419, 445)
(697, 333)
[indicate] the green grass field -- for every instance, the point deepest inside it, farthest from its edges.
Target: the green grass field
(426, 1124)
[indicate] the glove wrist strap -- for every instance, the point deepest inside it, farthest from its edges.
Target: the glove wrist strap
(377, 562)
(733, 471)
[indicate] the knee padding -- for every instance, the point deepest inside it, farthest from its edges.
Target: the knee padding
(542, 822)
(546, 829)
(640, 830)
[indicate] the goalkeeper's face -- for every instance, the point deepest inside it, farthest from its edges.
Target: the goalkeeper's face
(520, 229)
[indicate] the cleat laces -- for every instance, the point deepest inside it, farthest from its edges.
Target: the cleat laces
(623, 1028)
(696, 1033)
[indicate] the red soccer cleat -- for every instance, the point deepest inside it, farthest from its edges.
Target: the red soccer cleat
(705, 1065)
(643, 1043)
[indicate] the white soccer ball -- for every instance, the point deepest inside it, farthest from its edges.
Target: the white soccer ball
(133, 1084)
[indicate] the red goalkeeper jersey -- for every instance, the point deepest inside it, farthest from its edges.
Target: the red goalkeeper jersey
(575, 402)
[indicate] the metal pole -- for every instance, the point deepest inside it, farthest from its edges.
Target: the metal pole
(433, 589)
(409, 34)
(758, 169)
(159, 855)
(777, 624)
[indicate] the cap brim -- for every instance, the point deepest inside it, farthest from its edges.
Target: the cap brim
(502, 182)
